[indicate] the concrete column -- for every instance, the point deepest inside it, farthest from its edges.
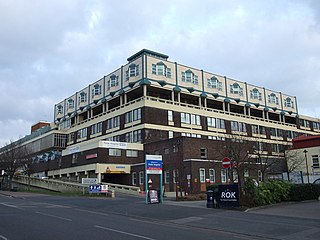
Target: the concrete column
(199, 101)
(99, 177)
(228, 105)
(205, 102)
(125, 98)
(249, 113)
(172, 96)
(179, 97)
(107, 106)
(121, 100)
(280, 117)
(144, 90)
(245, 110)
(263, 114)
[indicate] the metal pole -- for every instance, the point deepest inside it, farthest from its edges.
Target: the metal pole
(305, 154)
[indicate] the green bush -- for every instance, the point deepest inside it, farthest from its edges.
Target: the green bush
(268, 192)
(301, 192)
(212, 187)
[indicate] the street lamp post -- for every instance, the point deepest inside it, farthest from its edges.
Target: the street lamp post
(305, 155)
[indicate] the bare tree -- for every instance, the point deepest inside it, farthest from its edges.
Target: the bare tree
(239, 150)
(294, 161)
(12, 157)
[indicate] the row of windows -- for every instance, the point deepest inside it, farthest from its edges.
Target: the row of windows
(238, 126)
(190, 77)
(215, 123)
(133, 137)
(315, 162)
(117, 152)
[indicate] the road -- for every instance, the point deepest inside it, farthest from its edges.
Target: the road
(35, 216)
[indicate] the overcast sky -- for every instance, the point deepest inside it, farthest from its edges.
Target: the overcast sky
(51, 49)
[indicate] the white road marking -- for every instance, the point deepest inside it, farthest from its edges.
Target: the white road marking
(54, 216)
(3, 237)
(9, 205)
(122, 232)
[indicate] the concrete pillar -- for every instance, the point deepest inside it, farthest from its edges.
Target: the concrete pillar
(199, 101)
(144, 90)
(172, 96)
(179, 97)
(121, 100)
(125, 98)
(205, 102)
(99, 177)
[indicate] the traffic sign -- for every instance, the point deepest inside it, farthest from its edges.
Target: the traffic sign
(95, 189)
(226, 162)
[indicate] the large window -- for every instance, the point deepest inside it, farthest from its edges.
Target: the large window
(82, 97)
(113, 81)
(134, 136)
(141, 178)
(70, 104)
(82, 133)
(190, 77)
(214, 83)
(133, 115)
(212, 175)
(202, 175)
(256, 129)
(215, 122)
(255, 94)
(134, 178)
(161, 69)
(59, 109)
(238, 126)
(272, 98)
(170, 116)
(96, 128)
(114, 152)
(190, 119)
(288, 102)
(223, 176)
(96, 90)
(236, 89)
(113, 122)
(132, 71)
(132, 153)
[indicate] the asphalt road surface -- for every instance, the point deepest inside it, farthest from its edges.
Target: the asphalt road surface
(35, 216)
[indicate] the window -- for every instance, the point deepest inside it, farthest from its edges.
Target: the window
(70, 104)
(170, 116)
(134, 178)
(255, 94)
(212, 175)
(174, 175)
(315, 161)
(141, 178)
(59, 109)
(203, 153)
(236, 89)
(166, 151)
(238, 126)
(74, 158)
(190, 119)
(223, 176)
(114, 152)
(96, 128)
(166, 177)
(82, 133)
(113, 122)
(113, 81)
(202, 174)
(288, 102)
(82, 97)
(132, 137)
(96, 90)
(132, 153)
(132, 71)
(272, 98)
(161, 69)
(214, 83)
(211, 122)
(133, 115)
(220, 123)
(170, 134)
(189, 76)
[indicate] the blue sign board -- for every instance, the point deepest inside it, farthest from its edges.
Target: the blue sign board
(95, 189)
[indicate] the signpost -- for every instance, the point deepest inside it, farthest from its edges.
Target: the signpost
(153, 165)
(89, 181)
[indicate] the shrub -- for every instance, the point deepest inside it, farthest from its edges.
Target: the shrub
(301, 192)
